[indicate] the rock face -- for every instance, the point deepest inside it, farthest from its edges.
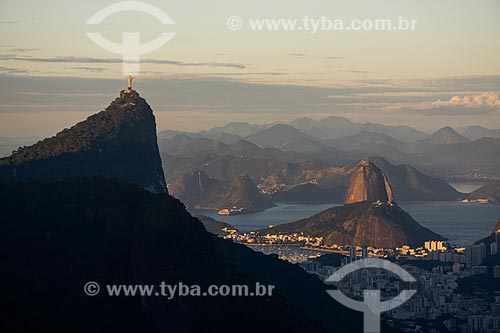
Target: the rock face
(197, 190)
(119, 143)
(368, 183)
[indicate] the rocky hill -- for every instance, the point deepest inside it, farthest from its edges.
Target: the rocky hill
(197, 190)
(368, 183)
(369, 218)
(490, 192)
(119, 142)
(381, 225)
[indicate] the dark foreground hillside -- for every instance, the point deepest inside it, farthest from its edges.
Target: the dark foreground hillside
(55, 237)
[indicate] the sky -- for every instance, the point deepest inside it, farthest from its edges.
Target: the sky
(445, 72)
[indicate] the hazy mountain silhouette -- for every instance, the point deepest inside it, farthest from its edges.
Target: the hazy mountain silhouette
(366, 141)
(277, 135)
(477, 132)
(335, 127)
(409, 184)
(443, 136)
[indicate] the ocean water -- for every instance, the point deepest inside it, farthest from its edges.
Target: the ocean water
(462, 223)
(282, 213)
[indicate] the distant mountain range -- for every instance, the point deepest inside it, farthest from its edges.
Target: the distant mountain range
(329, 128)
(337, 127)
(367, 141)
(472, 161)
(306, 174)
(477, 132)
(277, 135)
(444, 136)
(409, 184)
(339, 141)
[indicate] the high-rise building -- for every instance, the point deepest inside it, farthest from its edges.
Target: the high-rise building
(493, 248)
(496, 272)
(468, 256)
(352, 253)
(436, 245)
(364, 252)
(474, 254)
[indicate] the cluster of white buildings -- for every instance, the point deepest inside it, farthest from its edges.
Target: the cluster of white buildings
(438, 298)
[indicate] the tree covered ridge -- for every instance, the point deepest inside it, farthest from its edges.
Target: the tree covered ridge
(128, 114)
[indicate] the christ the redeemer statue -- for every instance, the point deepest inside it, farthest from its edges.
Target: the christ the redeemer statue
(130, 78)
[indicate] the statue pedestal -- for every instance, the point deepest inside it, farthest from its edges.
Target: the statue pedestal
(125, 92)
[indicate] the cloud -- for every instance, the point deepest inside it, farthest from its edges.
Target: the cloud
(487, 99)
(8, 22)
(177, 100)
(10, 70)
(481, 103)
(334, 58)
(90, 69)
(90, 60)
(298, 54)
(355, 71)
(22, 50)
